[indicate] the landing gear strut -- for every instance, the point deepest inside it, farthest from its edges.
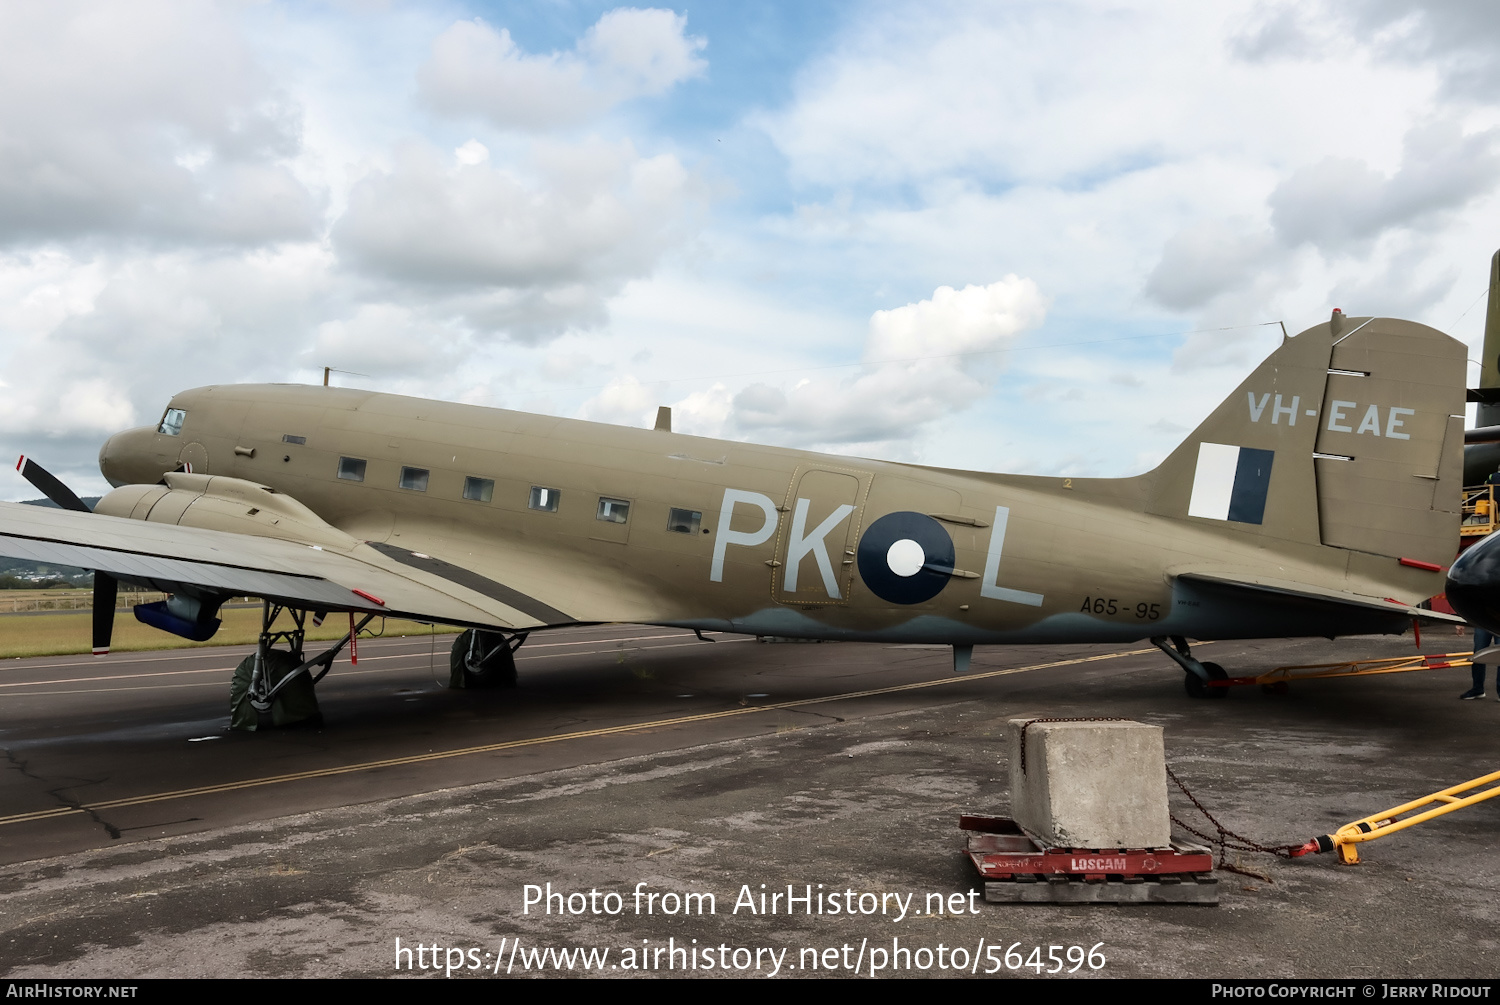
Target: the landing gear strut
(1197, 673)
(484, 659)
(274, 687)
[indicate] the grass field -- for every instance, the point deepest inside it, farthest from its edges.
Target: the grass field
(67, 633)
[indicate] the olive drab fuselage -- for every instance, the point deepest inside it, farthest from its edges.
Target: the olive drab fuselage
(610, 523)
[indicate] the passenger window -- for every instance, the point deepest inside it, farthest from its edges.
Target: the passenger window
(612, 510)
(543, 499)
(479, 489)
(414, 479)
(171, 423)
(683, 521)
(352, 469)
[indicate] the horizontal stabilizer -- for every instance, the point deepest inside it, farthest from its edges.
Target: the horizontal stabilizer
(1318, 597)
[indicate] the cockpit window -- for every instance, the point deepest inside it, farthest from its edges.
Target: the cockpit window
(171, 423)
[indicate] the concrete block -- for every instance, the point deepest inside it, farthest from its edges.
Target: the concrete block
(1090, 784)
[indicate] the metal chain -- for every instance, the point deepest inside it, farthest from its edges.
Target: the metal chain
(1225, 837)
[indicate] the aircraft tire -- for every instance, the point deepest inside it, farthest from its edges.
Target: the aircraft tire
(498, 670)
(295, 705)
(1197, 689)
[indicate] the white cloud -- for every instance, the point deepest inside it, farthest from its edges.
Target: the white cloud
(972, 320)
(923, 362)
(94, 407)
(1013, 94)
(876, 412)
(1279, 31)
(1363, 225)
(471, 153)
(148, 121)
(1060, 140)
(1458, 38)
(703, 413)
(1208, 258)
(639, 52)
(42, 288)
(926, 360)
(626, 402)
(527, 255)
(1111, 151)
(387, 340)
(567, 366)
(628, 53)
(1341, 201)
(108, 339)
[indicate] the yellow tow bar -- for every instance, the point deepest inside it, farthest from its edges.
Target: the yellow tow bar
(1279, 678)
(1389, 821)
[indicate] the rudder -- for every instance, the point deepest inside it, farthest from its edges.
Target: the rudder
(1389, 455)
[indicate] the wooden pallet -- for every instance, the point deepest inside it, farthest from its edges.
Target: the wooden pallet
(1018, 870)
(1195, 888)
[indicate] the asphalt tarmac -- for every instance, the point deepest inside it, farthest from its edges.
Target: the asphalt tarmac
(639, 771)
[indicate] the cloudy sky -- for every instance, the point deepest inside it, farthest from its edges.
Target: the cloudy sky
(1027, 236)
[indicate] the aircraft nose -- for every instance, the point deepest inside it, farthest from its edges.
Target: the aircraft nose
(1473, 586)
(128, 457)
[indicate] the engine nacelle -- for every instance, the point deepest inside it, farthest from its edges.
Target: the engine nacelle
(215, 502)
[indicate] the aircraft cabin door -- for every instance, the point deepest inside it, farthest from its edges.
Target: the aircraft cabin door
(815, 542)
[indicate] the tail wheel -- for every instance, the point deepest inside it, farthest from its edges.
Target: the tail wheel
(1196, 688)
(482, 660)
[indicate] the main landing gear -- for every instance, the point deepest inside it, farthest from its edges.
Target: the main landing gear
(274, 687)
(1197, 673)
(482, 659)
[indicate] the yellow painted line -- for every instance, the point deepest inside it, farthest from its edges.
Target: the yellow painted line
(583, 734)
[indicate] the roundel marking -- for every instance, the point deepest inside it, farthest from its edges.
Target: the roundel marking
(899, 557)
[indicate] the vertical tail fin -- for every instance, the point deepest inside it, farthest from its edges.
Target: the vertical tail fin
(1349, 435)
(1489, 360)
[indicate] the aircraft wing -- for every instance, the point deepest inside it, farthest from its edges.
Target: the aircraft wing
(1316, 597)
(363, 578)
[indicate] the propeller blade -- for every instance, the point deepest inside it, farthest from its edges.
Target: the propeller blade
(105, 587)
(49, 486)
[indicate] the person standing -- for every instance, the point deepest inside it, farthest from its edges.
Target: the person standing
(1482, 640)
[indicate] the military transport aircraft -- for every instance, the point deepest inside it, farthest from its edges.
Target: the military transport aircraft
(1319, 499)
